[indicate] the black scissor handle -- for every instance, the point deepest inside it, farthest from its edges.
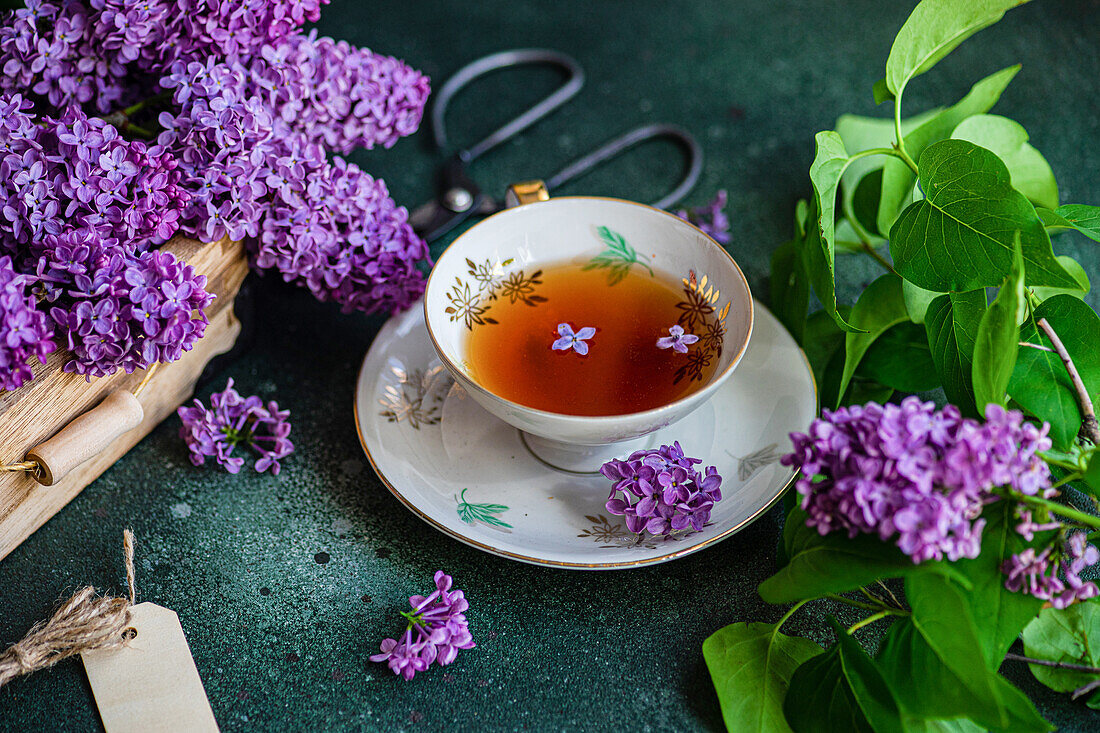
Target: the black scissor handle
(628, 140)
(503, 60)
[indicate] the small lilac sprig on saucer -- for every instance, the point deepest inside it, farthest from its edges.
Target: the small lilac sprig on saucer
(661, 491)
(234, 420)
(568, 339)
(711, 218)
(677, 340)
(437, 629)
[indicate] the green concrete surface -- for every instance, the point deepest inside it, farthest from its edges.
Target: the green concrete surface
(286, 584)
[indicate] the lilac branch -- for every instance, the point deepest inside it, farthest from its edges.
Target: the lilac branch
(1057, 665)
(1089, 424)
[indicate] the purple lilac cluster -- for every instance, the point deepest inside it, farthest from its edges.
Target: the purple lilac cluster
(25, 332)
(130, 311)
(81, 208)
(233, 420)
(712, 218)
(254, 105)
(108, 53)
(1037, 572)
(338, 95)
(915, 475)
(324, 224)
(661, 491)
(436, 631)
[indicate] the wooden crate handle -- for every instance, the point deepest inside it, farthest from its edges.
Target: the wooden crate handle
(86, 436)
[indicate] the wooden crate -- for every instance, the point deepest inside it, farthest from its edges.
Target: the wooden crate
(40, 408)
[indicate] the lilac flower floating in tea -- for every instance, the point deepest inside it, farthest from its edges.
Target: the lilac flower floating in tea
(677, 340)
(437, 628)
(571, 340)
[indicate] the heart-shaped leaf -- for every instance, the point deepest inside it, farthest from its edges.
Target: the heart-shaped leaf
(898, 179)
(1007, 139)
(960, 236)
(751, 666)
(1064, 635)
(830, 160)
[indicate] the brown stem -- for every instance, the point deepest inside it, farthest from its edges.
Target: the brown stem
(1089, 424)
(1085, 689)
(1049, 663)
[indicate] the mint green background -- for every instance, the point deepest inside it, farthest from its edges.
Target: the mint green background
(281, 640)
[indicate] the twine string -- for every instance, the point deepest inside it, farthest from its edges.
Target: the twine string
(85, 622)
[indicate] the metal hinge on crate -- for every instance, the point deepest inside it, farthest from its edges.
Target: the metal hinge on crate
(84, 437)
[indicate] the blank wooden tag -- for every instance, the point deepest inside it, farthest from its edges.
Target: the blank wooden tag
(151, 684)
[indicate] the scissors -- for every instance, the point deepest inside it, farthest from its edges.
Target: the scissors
(460, 198)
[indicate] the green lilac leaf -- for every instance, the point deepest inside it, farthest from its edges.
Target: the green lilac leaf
(848, 240)
(824, 702)
(1092, 474)
(822, 338)
(995, 346)
(973, 692)
(1085, 219)
(917, 300)
(942, 615)
(790, 287)
(952, 325)
(872, 694)
(751, 666)
(1070, 635)
(879, 307)
(999, 613)
(960, 237)
(881, 92)
(865, 201)
(900, 359)
(1040, 383)
(862, 391)
(830, 160)
(1073, 267)
(898, 179)
(933, 30)
(833, 563)
(1008, 140)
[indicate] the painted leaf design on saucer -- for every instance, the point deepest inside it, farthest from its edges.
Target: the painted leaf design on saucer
(470, 513)
(614, 536)
(617, 257)
(753, 462)
(415, 396)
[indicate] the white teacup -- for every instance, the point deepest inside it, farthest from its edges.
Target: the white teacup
(565, 229)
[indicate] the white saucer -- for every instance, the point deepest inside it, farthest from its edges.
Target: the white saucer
(469, 475)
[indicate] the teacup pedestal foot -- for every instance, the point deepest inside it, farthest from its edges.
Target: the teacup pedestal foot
(574, 458)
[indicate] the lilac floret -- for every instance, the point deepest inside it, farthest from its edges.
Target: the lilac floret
(660, 491)
(577, 341)
(914, 475)
(1053, 573)
(234, 420)
(711, 218)
(677, 340)
(437, 629)
(25, 332)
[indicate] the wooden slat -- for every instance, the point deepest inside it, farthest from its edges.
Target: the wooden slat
(53, 398)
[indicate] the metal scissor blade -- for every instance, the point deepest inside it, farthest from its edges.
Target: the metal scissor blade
(421, 218)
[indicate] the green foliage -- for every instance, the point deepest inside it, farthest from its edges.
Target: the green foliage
(965, 207)
(751, 666)
(833, 563)
(1065, 635)
(960, 236)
